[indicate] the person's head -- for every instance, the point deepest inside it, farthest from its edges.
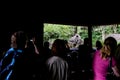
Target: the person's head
(30, 46)
(59, 48)
(86, 41)
(66, 44)
(46, 44)
(109, 47)
(18, 39)
(98, 45)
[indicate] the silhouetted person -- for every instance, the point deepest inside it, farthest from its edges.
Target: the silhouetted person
(11, 67)
(33, 40)
(67, 46)
(32, 55)
(85, 60)
(117, 56)
(98, 45)
(57, 65)
(47, 51)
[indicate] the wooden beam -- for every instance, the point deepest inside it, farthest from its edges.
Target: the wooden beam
(90, 35)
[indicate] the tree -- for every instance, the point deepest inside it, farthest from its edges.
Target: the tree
(53, 31)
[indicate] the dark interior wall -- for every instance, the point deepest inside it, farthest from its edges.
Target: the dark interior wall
(31, 25)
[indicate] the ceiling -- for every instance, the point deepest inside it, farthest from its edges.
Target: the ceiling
(83, 13)
(87, 20)
(82, 17)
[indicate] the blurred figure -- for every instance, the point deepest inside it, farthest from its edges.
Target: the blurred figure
(85, 54)
(85, 59)
(57, 65)
(34, 45)
(101, 59)
(47, 51)
(32, 56)
(9, 69)
(117, 56)
(98, 45)
(67, 45)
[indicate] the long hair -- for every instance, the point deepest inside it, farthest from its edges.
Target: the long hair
(59, 48)
(19, 40)
(109, 47)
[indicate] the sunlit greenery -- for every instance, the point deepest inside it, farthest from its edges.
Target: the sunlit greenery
(54, 31)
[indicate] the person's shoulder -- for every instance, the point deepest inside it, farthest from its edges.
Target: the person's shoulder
(55, 59)
(9, 51)
(97, 52)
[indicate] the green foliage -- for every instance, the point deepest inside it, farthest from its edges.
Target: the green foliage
(84, 34)
(118, 29)
(96, 35)
(54, 31)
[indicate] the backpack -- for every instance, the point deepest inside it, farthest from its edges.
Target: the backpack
(110, 74)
